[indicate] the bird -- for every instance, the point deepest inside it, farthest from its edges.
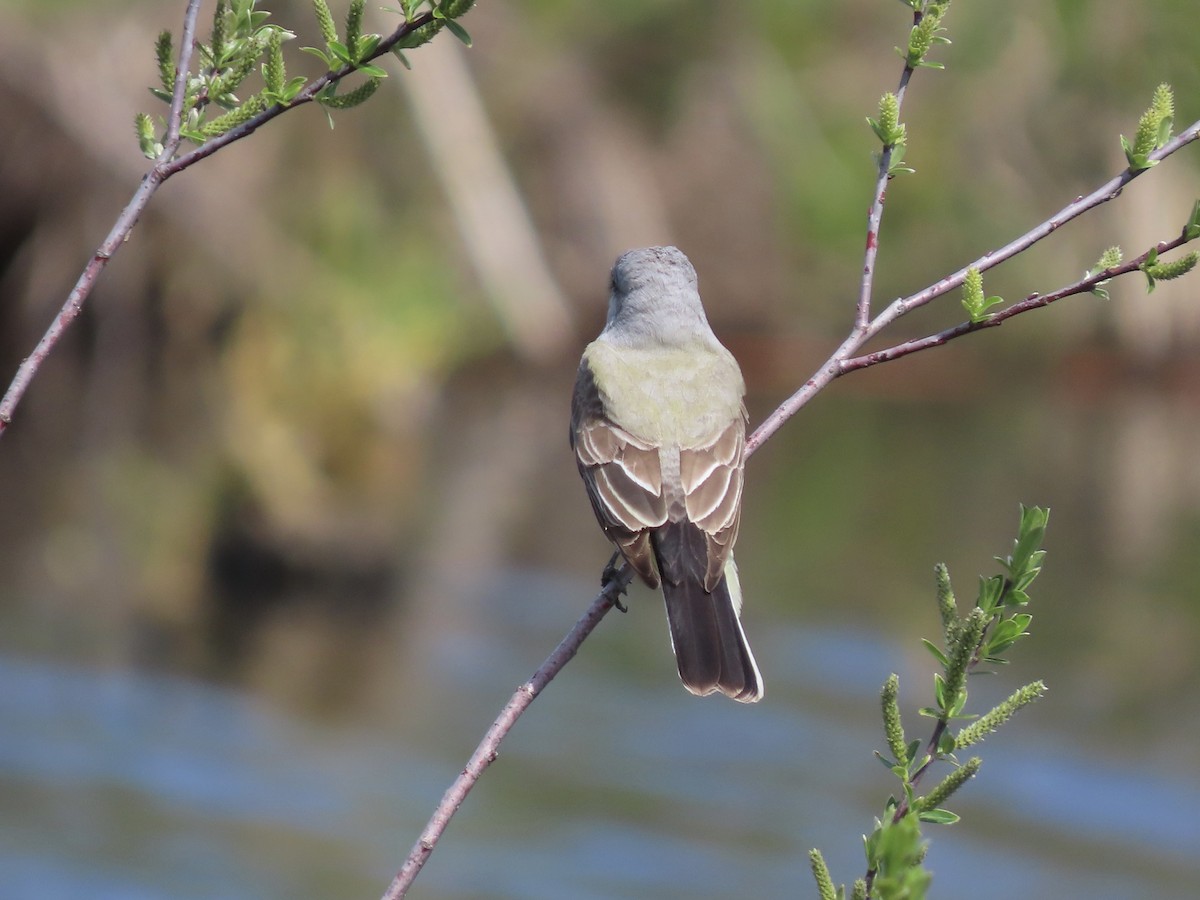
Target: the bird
(658, 429)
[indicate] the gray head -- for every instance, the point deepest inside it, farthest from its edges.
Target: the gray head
(654, 298)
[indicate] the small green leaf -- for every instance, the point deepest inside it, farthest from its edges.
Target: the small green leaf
(946, 744)
(320, 54)
(459, 32)
(367, 45)
(937, 654)
(938, 816)
(340, 52)
(910, 752)
(1191, 230)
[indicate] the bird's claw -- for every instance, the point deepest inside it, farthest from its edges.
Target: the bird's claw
(610, 574)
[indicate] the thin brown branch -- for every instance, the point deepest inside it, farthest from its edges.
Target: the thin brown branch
(165, 166)
(862, 315)
(485, 754)
(836, 364)
(1033, 301)
(116, 237)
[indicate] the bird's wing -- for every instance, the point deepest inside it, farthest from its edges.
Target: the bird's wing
(623, 476)
(712, 476)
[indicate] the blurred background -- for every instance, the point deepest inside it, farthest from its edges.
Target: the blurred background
(290, 512)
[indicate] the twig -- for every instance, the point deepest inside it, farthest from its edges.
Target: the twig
(845, 358)
(485, 754)
(1033, 301)
(164, 167)
(116, 237)
(842, 361)
(862, 315)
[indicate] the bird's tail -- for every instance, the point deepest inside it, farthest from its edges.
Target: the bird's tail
(706, 633)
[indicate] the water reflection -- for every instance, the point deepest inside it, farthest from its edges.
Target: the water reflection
(312, 770)
(617, 784)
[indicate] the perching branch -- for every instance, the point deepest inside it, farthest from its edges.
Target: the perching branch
(842, 361)
(485, 754)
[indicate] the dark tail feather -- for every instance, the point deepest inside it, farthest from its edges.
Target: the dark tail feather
(710, 646)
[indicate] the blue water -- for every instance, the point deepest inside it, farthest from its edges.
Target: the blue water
(126, 784)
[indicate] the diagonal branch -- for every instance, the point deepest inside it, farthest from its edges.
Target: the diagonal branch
(862, 315)
(485, 754)
(165, 166)
(837, 364)
(1033, 301)
(116, 237)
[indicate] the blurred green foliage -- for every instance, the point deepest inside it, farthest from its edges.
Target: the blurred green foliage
(320, 376)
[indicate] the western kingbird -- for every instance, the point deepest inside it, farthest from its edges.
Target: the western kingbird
(659, 433)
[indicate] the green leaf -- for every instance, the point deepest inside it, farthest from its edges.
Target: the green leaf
(938, 816)
(910, 752)
(320, 54)
(367, 45)
(1191, 230)
(937, 654)
(459, 32)
(946, 744)
(340, 52)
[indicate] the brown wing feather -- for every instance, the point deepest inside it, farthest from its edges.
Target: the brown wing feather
(712, 477)
(623, 477)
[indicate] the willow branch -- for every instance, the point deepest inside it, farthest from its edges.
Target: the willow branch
(485, 754)
(862, 314)
(116, 237)
(1033, 301)
(839, 363)
(166, 165)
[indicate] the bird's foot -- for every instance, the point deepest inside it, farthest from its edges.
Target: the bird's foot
(610, 574)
